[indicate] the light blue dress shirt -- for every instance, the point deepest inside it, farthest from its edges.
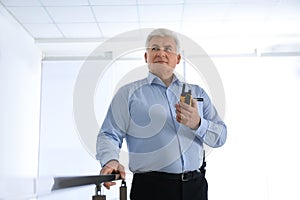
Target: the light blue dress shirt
(143, 112)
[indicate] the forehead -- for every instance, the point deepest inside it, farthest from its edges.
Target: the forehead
(162, 41)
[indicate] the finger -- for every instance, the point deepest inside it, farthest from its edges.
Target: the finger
(184, 106)
(182, 117)
(183, 113)
(121, 170)
(194, 103)
(178, 112)
(177, 116)
(178, 119)
(107, 185)
(107, 170)
(177, 106)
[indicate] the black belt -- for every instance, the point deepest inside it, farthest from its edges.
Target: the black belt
(186, 176)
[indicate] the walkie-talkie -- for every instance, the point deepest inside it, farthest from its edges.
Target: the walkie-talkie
(186, 97)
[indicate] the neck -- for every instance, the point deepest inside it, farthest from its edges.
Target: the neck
(165, 75)
(166, 79)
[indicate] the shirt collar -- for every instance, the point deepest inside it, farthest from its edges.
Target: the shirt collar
(155, 79)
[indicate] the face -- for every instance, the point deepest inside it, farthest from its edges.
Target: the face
(162, 56)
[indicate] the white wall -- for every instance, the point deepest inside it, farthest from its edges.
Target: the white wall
(63, 150)
(260, 159)
(20, 77)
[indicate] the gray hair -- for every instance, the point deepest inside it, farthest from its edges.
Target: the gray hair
(162, 32)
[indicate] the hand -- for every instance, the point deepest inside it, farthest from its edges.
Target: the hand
(111, 167)
(188, 115)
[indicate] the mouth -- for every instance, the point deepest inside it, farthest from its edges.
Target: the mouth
(160, 62)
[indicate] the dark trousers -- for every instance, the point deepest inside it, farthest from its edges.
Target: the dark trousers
(147, 187)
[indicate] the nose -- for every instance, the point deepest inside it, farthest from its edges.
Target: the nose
(161, 53)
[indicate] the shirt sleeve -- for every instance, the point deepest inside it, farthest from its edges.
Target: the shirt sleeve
(112, 132)
(212, 130)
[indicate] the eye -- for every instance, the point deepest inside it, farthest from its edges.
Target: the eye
(155, 49)
(169, 49)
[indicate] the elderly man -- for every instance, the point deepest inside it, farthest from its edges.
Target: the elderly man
(164, 135)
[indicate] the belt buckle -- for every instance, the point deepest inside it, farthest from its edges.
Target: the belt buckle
(184, 177)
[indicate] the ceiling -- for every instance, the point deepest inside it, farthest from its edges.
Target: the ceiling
(61, 21)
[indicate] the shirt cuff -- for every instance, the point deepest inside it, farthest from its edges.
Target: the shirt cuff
(106, 159)
(202, 129)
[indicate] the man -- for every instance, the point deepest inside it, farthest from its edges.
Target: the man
(164, 136)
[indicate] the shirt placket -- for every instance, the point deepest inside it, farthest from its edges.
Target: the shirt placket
(172, 100)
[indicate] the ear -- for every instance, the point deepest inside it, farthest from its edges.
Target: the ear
(145, 56)
(178, 58)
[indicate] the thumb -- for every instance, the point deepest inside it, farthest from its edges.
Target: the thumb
(194, 103)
